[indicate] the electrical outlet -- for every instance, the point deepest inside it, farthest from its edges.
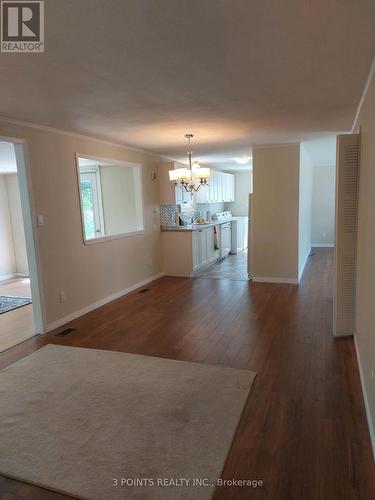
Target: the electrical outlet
(150, 261)
(372, 373)
(62, 296)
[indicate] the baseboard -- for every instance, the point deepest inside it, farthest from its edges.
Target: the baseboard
(367, 406)
(304, 264)
(70, 317)
(323, 245)
(261, 279)
(7, 277)
(13, 275)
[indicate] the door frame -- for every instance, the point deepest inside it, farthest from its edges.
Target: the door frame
(30, 227)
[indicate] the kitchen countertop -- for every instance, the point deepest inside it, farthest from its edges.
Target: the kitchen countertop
(196, 227)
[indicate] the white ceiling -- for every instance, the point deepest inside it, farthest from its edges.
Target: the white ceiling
(234, 73)
(7, 158)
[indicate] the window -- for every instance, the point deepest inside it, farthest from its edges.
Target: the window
(111, 198)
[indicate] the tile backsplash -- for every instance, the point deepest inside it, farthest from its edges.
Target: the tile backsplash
(167, 212)
(214, 208)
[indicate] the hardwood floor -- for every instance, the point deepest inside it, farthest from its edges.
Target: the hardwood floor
(303, 431)
(17, 325)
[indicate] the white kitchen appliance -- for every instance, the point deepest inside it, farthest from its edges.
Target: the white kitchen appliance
(239, 240)
(223, 216)
(225, 239)
(225, 232)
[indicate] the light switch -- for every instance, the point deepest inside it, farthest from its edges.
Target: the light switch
(40, 220)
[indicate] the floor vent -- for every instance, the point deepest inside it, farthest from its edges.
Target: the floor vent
(65, 332)
(144, 290)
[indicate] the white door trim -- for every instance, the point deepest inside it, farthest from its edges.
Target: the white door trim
(29, 220)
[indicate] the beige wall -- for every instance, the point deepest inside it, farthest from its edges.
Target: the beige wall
(323, 206)
(18, 232)
(305, 207)
(87, 273)
(275, 204)
(365, 288)
(242, 189)
(7, 259)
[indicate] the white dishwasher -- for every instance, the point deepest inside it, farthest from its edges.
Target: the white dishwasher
(225, 239)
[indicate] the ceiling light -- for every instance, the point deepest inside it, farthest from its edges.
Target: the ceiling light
(242, 160)
(183, 177)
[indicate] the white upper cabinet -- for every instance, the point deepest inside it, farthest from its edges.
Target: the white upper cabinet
(220, 188)
(169, 194)
(231, 187)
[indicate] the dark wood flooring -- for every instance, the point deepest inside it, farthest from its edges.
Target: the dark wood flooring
(303, 431)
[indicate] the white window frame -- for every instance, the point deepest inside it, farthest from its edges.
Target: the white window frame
(138, 186)
(97, 199)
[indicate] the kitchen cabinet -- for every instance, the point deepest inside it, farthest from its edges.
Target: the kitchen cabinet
(210, 245)
(182, 196)
(220, 188)
(230, 183)
(203, 247)
(185, 251)
(168, 193)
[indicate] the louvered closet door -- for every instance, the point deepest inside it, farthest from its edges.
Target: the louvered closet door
(347, 174)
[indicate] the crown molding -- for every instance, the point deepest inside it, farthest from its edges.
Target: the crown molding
(365, 89)
(276, 145)
(106, 142)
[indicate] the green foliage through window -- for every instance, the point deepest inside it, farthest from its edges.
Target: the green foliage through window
(88, 209)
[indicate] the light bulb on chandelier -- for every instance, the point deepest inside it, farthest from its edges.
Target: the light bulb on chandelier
(184, 177)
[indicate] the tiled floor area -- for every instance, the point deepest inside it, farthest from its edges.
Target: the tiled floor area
(233, 267)
(17, 325)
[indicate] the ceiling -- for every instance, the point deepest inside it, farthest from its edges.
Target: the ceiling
(7, 158)
(235, 73)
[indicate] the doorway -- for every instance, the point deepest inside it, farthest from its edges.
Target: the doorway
(20, 305)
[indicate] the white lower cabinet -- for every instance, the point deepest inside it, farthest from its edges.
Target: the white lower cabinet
(185, 252)
(210, 245)
(203, 247)
(195, 250)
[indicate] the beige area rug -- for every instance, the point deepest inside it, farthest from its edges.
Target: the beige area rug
(105, 425)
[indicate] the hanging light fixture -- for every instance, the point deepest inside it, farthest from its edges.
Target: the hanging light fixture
(184, 177)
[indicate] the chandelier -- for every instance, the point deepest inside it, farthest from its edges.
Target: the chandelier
(186, 178)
